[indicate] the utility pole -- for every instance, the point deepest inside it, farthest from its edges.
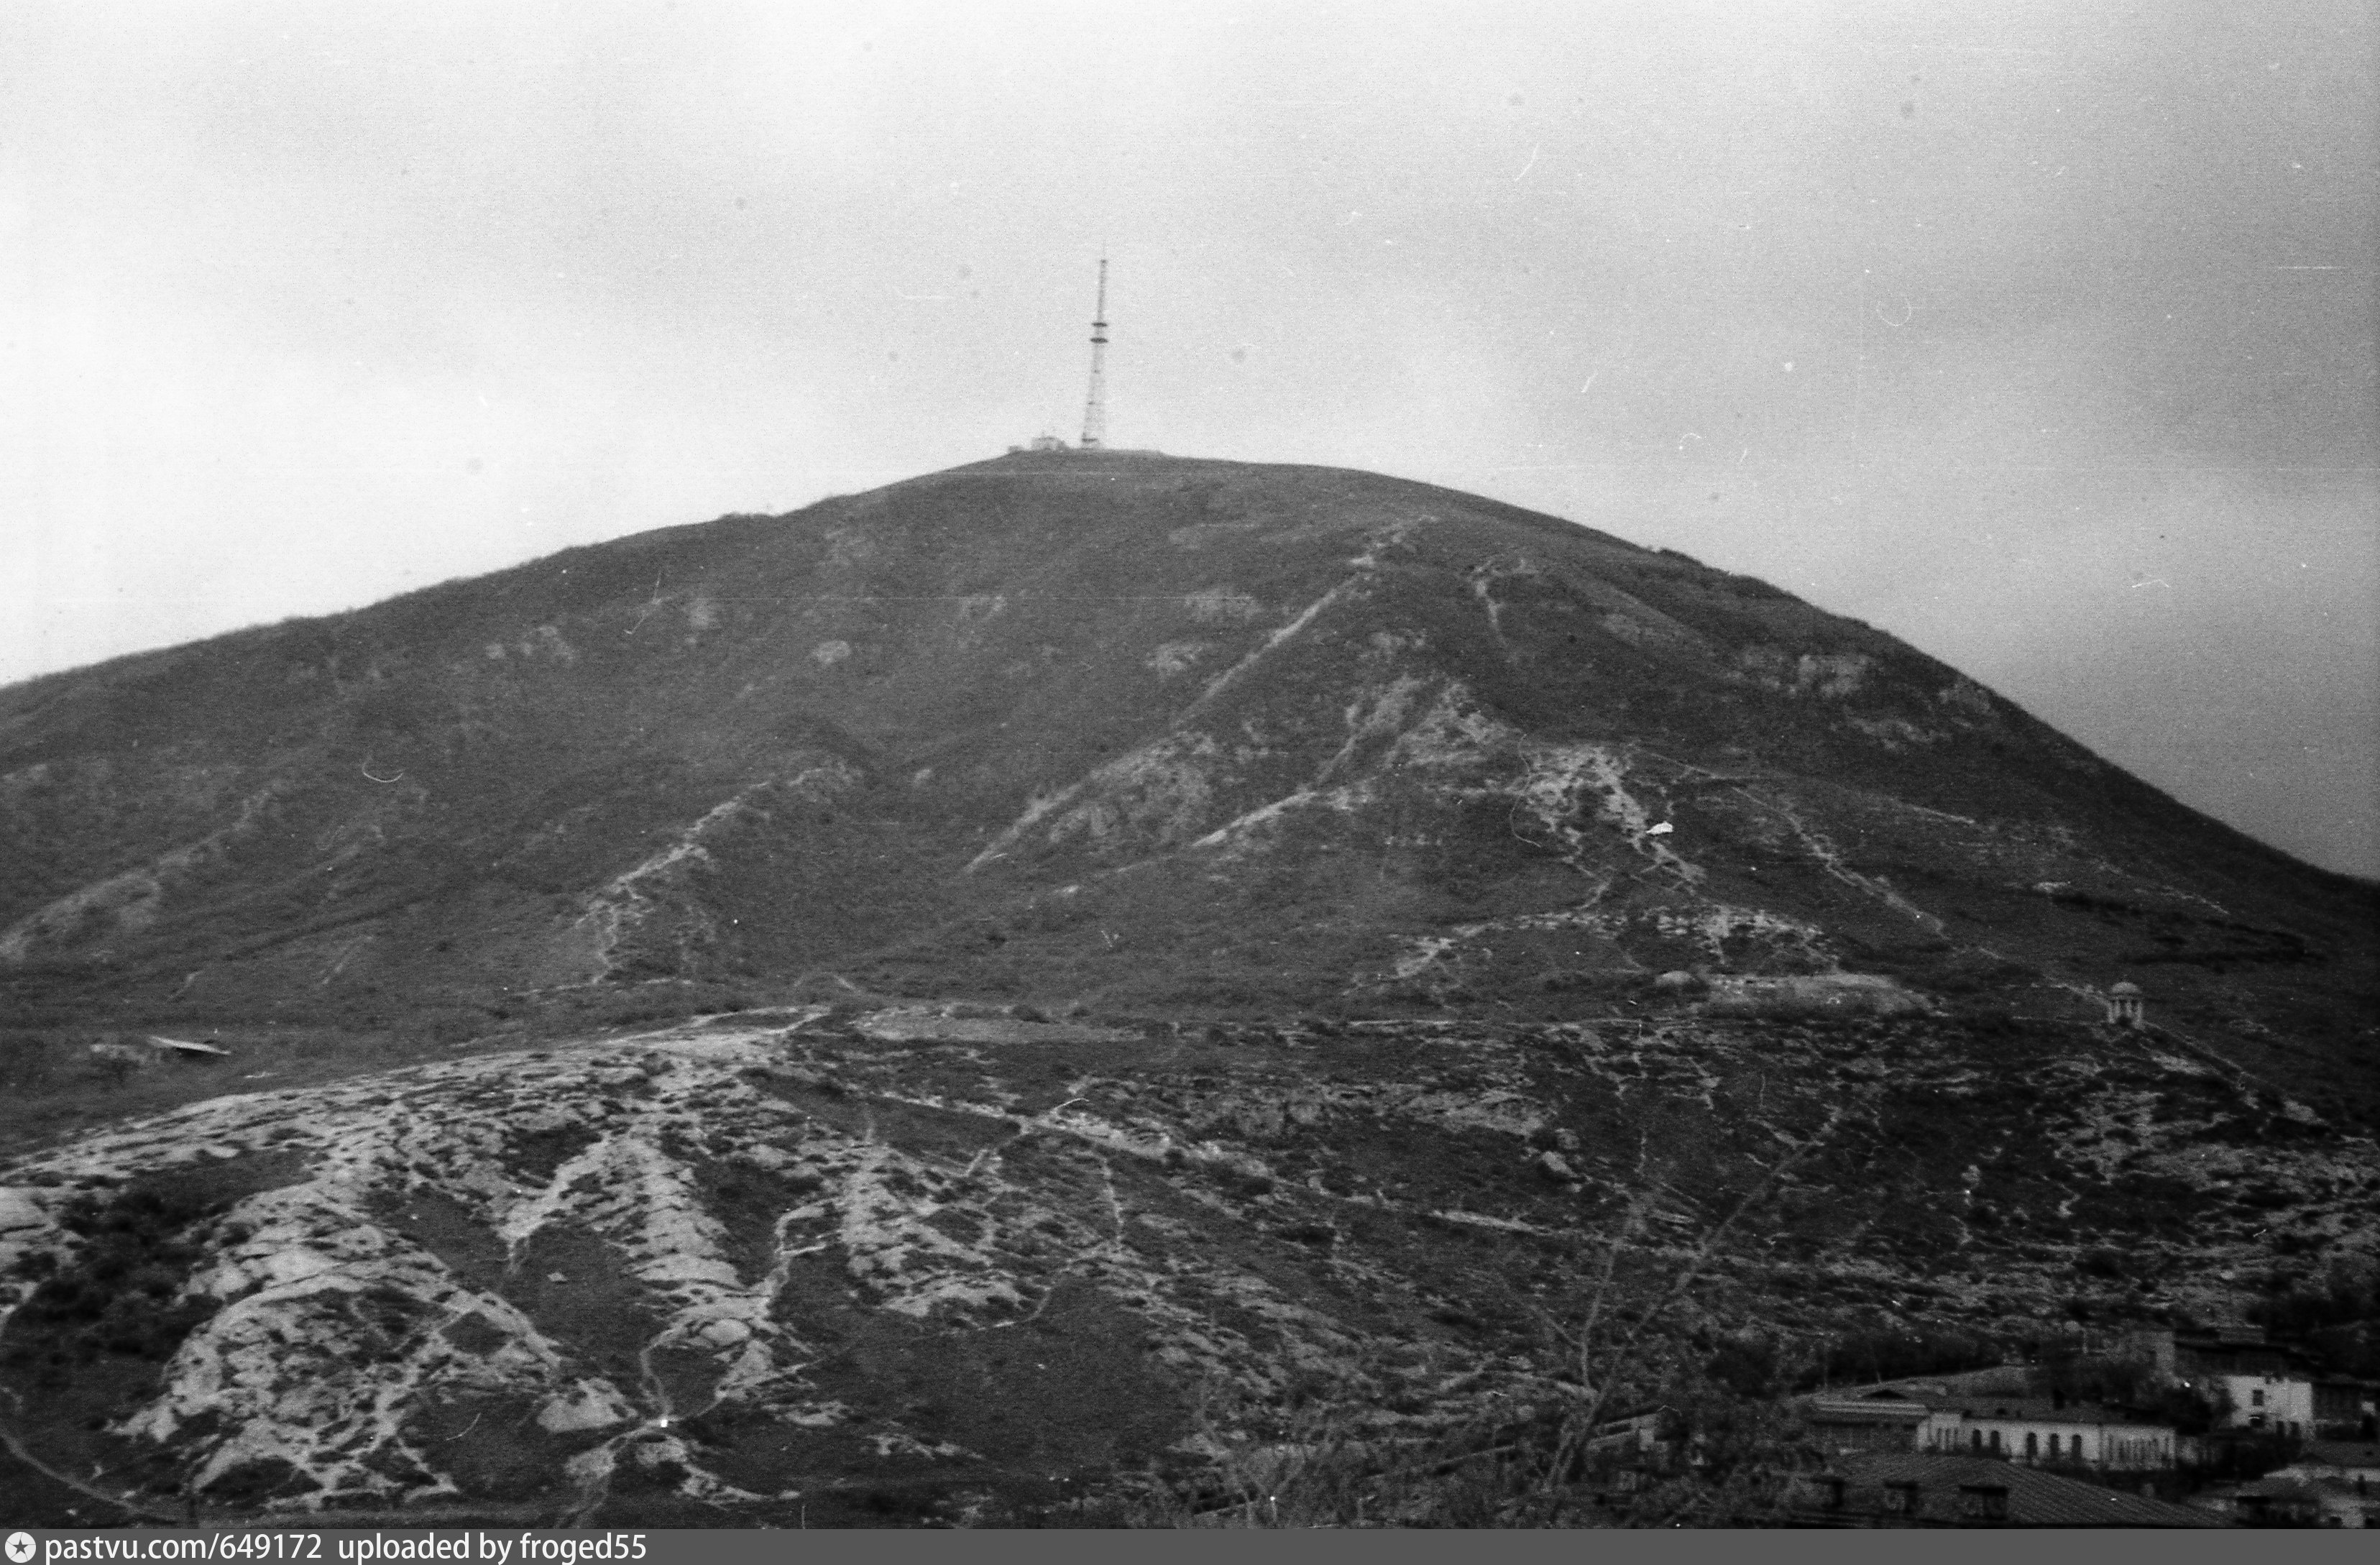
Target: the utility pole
(1095, 409)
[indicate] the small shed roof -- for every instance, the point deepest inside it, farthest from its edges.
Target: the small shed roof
(184, 1046)
(1857, 1410)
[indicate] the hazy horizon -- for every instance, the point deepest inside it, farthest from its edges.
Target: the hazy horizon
(2041, 339)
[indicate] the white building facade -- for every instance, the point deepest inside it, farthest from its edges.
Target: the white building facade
(2281, 1403)
(2049, 1435)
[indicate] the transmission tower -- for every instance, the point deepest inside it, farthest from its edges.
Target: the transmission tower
(1095, 409)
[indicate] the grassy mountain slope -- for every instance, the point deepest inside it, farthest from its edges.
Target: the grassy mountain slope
(1472, 937)
(1122, 730)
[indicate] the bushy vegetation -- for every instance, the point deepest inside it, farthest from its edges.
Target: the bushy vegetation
(1750, 1366)
(2339, 1318)
(1709, 1458)
(117, 1293)
(2130, 1383)
(1895, 1354)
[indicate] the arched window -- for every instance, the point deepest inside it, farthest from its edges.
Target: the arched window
(1976, 1438)
(2053, 1448)
(2032, 1445)
(1996, 1439)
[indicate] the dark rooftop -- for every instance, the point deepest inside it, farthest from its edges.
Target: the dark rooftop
(2034, 1498)
(2340, 1453)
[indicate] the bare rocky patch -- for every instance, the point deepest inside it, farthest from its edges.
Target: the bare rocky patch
(714, 1271)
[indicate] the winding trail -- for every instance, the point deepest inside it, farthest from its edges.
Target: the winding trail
(17, 1448)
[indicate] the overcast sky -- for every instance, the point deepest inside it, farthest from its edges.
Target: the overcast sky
(2041, 335)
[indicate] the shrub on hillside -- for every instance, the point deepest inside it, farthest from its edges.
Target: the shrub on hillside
(1745, 1366)
(2339, 1320)
(29, 1063)
(116, 1293)
(1894, 1355)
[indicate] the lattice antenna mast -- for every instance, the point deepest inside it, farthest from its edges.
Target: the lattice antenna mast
(1095, 409)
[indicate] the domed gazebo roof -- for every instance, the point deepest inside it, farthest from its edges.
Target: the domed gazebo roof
(2126, 988)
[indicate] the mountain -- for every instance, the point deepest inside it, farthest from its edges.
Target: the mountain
(1122, 730)
(1261, 937)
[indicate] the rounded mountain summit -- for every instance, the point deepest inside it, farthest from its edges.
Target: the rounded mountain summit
(1143, 735)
